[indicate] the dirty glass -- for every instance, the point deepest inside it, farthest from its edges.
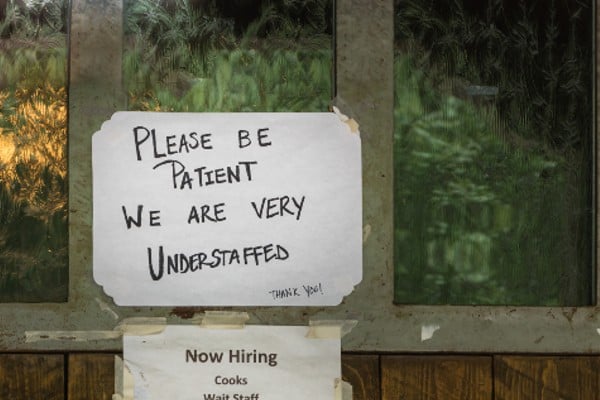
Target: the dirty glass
(493, 152)
(33, 139)
(233, 55)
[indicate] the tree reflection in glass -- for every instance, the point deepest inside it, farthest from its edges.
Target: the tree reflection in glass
(493, 152)
(33, 140)
(234, 55)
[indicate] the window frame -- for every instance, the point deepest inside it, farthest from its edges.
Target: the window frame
(364, 90)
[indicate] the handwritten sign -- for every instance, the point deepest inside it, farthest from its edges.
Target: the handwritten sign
(254, 363)
(227, 208)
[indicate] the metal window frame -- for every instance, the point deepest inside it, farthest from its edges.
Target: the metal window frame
(364, 82)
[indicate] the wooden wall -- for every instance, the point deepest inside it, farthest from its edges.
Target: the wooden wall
(89, 376)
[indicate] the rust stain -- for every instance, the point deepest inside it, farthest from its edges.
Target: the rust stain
(186, 312)
(189, 312)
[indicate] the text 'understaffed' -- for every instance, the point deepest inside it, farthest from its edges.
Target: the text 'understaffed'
(150, 144)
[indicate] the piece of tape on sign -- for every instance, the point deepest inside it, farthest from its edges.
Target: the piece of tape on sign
(224, 320)
(118, 383)
(142, 326)
(124, 381)
(343, 390)
(352, 124)
(329, 329)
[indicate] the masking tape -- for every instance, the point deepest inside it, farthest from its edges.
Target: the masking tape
(224, 320)
(128, 383)
(124, 381)
(118, 395)
(352, 124)
(106, 308)
(141, 326)
(366, 232)
(343, 390)
(329, 329)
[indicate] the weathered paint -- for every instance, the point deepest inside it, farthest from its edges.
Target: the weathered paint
(364, 77)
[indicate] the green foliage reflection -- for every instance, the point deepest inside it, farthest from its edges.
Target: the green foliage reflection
(187, 56)
(33, 183)
(493, 193)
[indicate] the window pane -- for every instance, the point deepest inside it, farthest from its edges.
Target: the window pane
(33, 137)
(235, 55)
(493, 152)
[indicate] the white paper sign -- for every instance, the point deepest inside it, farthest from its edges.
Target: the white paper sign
(254, 363)
(227, 208)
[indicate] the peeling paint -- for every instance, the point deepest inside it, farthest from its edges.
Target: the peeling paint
(186, 312)
(427, 331)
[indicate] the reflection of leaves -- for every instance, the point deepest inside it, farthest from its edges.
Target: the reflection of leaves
(536, 52)
(175, 38)
(36, 20)
(33, 185)
(31, 64)
(36, 170)
(469, 197)
(33, 200)
(247, 80)
(188, 58)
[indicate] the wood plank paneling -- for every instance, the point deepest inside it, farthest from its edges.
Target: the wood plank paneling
(373, 377)
(32, 376)
(546, 378)
(91, 376)
(362, 372)
(436, 377)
